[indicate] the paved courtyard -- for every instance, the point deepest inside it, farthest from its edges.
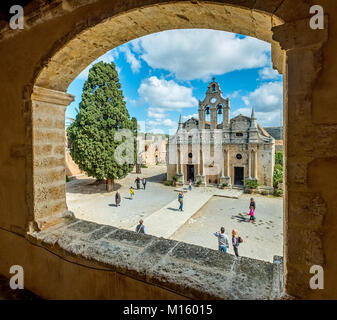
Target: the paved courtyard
(92, 202)
(205, 211)
(262, 240)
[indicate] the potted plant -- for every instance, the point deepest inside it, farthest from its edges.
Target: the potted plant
(199, 182)
(224, 185)
(251, 185)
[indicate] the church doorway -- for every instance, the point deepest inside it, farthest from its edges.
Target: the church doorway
(190, 172)
(238, 176)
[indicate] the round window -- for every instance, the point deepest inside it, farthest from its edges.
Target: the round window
(190, 155)
(239, 156)
(213, 100)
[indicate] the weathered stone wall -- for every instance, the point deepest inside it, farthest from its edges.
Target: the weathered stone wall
(109, 263)
(155, 151)
(48, 117)
(61, 38)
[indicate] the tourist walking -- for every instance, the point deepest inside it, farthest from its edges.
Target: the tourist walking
(222, 240)
(181, 201)
(132, 193)
(236, 241)
(190, 185)
(140, 227)
(137, 181)
(144, 183)
(117, 199)
(252, 214)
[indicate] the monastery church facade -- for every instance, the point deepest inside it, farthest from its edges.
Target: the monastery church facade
(215, 149)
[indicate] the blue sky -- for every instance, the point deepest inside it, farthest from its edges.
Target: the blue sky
(164, 75)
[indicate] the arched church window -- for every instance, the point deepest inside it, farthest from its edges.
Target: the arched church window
(207, 114)
(219, 112)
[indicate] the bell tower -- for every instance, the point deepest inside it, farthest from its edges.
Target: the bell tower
(215, 104)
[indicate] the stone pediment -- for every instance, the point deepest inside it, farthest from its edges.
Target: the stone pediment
(240, 117)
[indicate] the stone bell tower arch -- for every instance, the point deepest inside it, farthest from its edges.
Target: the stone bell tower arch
(214, 99)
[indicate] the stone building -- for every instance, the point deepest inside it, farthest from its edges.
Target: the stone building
(231, 151)
(277, 134)
(154, 149)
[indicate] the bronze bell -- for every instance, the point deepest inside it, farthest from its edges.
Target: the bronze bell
(207, 111)
(219, 111)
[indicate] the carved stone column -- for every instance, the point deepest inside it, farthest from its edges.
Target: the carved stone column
(180, 173)
(249, 173)
(305, 207)
(255, 164)
(49, 175)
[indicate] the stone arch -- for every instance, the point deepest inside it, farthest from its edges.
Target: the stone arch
(82, 46)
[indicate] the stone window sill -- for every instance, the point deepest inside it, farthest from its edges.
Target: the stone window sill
(192, 271)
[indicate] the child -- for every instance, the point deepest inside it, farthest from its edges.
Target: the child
(190, 185)
(181, 201)
(131, 193)
(235, 241)
(252, 214)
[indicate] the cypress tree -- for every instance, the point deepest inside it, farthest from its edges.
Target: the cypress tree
(102, 112)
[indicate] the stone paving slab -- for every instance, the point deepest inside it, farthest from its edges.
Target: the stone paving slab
(227, 193)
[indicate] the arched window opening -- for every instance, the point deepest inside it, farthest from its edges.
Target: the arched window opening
(207, 114)
(219, 114)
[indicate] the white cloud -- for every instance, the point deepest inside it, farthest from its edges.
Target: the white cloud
(158, 125)
(200, 54)
(166, 94)
(156, 113)
(267, 101)
(107, 58)
(131, 59)
(266, 98)
(268, 73)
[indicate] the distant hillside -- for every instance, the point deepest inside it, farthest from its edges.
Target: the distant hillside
(275, 132)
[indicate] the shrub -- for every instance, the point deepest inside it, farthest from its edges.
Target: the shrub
(167, 183)
(144, 165)
(277, 175)
(264, 192)
(252, 184)
(175, 178)
(279, 193)
(279, 158)
(67, 179)
(199, 182)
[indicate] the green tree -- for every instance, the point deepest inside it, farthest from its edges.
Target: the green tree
(279, 158)
(278, 175)
(278, 169)
(102, 114)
